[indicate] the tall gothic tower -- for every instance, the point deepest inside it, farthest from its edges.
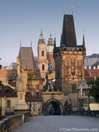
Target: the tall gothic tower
(42, 56)
(50, 47)
(69, 61)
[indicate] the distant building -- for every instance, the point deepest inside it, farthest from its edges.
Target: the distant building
(91, 74)
(8, 100)
(8, 77)
(92, 61)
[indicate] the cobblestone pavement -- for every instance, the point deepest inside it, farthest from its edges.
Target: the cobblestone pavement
(60, 124)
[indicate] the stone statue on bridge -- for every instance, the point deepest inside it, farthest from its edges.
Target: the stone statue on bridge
(21, 91)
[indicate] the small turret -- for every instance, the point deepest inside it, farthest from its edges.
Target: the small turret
(41, 40)
(41, 35)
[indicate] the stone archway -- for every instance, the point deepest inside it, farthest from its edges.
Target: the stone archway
(52, 107)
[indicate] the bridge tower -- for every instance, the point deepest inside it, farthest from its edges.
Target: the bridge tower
(69, 61)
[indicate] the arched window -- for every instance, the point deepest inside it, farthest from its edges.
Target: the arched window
(73, 89)
(43, 67)
(42, 53)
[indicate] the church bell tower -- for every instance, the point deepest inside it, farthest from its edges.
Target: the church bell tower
(42, 57)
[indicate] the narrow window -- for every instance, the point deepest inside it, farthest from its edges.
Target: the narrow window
(8, 103)
(73, 89)
(42, 53)
(43, 67)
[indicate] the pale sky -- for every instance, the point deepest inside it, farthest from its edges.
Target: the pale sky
(25, 18)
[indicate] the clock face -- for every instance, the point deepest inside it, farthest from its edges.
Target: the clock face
(50, 48)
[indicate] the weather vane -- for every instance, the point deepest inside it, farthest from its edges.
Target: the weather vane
(64, 9)
(72, 9)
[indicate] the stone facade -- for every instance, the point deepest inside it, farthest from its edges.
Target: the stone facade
(69, 68)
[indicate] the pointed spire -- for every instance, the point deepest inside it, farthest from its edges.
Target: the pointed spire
(64, 9)
(41, 40)
(54, 42)
(41, 35)
(31, 43)
(83, 41)
(50, 35)
(20, 42)
(68, 32)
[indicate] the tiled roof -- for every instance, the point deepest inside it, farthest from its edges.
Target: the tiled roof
(68, 37)
(27, 58)
(31, 98)
(8, 92)
(92, 72)
(12, 83)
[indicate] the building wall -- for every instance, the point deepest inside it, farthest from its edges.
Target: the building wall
(91, 60)
(3, 103)
(4, 75)
(13, 101)
(36, 108)
(50, 58)
(94, 106)
(35, 86)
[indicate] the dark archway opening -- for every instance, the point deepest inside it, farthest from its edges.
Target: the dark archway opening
(52, 108)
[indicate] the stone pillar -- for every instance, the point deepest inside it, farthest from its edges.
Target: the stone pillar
(21, 104)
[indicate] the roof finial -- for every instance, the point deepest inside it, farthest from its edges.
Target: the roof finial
(50, 35)
(41, 35)
(72, 9)
(83, 31)
(31, 42)
(20, 42)
(41, 31)
(64, 9)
